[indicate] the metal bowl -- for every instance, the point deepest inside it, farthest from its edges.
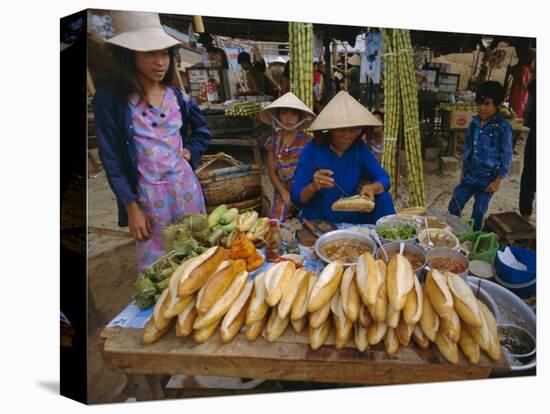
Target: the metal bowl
(409, 248)
(395, 224)
(423, 238)
(518, 330)
(339, 235)
(445, 252)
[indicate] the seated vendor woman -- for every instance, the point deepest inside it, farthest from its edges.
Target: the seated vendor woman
(338, 162)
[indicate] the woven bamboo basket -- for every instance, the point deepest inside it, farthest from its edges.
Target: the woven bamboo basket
(225, 180)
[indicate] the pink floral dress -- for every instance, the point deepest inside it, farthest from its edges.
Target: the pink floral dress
(168, 189)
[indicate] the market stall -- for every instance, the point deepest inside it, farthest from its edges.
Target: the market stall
(248, 338)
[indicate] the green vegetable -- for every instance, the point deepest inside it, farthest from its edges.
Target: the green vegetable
(229, 216)
(216, 215)
(144, 302)
(215, 237)
(202, 236)
(396, 232)
(163, 284)
(230, 227)
(144, 286)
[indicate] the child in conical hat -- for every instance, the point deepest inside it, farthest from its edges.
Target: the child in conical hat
(289, 116)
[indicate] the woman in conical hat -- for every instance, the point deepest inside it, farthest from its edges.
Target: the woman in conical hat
(335, 166)
(142, 122)
(289, 116)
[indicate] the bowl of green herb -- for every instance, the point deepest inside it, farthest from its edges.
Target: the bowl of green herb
(396, 231)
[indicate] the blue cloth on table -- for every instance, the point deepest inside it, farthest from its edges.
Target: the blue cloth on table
(355, 165)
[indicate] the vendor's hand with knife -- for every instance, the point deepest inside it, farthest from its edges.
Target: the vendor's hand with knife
(322, 179)
(371, 190)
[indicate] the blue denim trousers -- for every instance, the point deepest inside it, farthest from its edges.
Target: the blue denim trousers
(473, 184)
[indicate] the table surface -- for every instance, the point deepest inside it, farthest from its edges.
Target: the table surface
(289, 358)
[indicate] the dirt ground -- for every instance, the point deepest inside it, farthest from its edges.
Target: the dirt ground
(112, 265)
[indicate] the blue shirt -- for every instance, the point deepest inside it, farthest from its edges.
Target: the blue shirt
(355, 164)
(488, 147)
(117, 148)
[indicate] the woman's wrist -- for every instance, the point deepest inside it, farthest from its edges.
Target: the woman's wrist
(132, 207)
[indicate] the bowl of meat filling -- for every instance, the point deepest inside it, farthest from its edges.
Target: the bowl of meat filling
(344, 246)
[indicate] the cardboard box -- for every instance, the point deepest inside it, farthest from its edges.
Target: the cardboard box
(460, 119)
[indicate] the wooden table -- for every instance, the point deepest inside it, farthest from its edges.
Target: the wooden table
(290, 358)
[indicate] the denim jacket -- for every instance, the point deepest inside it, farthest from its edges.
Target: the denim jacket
(117, 149)
(488, 147)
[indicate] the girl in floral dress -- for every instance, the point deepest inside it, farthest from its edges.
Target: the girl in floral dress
(142, 125)
(289, 116)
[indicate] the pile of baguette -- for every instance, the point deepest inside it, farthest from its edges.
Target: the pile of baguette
(369, 303)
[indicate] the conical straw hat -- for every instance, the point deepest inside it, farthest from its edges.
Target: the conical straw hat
(355, 60)
(288, 100)
(140, 31)
(343, 111)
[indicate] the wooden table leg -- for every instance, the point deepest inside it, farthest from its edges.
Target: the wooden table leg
(145, 387)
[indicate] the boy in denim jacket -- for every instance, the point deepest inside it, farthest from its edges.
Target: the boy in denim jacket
(487, 154)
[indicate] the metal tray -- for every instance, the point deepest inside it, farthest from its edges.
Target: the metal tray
(512, 310)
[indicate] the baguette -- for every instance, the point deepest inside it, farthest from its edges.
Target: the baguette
(229, 332)
(391, 343)
(420, 337)
(379, 311)
(318, 336)
(291, 291)
(404, 332)
(451, 327)
(257, 308)
(429, 321)
(448, 348)
(151, 333)
(481, 336)
(369, 278)
(184, 325)
(325, 286)
(465, 302)
(174, 309)
(197, 275)
(342, 324)
(255, 329)
(493, 347)
(351, 301)
(392, 317)
(299, 324)
(218, 284)
(412, 312)
(469, 347)
(364, 317)
(276, 279)
(440, 295)
(318, 318)
(276, 326)
(174, 304)
(202, 335)
(299, 307)
(399, 281)
(236, 315)
(353, 203)
(158, 311)
(360, 337)
(376, 332)
(220, 308)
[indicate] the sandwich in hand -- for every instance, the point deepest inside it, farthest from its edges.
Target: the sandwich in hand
(354, 203)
